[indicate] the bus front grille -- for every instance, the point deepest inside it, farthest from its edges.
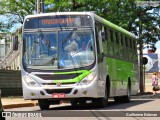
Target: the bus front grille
(57, 76)
(66, 91)
(61, 83)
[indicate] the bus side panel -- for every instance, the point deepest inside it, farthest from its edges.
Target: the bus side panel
(119, 73)
(135, 83)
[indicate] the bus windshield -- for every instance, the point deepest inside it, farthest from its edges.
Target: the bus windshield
(58, 50)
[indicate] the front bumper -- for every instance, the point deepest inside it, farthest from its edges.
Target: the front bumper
(70, 91)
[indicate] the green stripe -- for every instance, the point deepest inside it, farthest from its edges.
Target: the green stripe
(83, 74)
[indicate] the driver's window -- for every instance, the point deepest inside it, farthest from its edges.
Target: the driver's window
(99, 38)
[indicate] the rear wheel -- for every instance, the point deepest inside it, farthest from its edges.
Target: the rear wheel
(117, 99)
(124, 99)
(128, 96)
(44, 104)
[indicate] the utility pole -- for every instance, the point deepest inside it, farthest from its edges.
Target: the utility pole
(141, 56)
(40, 6)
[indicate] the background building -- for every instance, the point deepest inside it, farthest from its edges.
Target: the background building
(9, 59)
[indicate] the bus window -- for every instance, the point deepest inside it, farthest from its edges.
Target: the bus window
(131, 43)
(126, 41)
(105, 41)
(116, 45)
(134, 45)
(97, 39)
(122, 42)
(110, 43)
(117, 38)
(111, 36)
(121, 46)
(125, 49)
(103, 34)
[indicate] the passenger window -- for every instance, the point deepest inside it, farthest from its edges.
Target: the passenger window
(111, 36)
(131, 43)
(126, 40)
(117, 38)
(105, 41)
(122, 42)
(110, 43)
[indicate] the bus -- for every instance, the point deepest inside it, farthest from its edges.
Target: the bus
(78, 57)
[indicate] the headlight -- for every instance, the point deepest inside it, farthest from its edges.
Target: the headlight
(30, 82)
(88, 78)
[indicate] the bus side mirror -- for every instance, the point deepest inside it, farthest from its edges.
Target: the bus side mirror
(15, 43)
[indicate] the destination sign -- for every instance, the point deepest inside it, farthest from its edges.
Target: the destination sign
(58, 21)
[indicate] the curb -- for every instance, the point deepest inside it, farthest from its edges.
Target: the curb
(18, 105)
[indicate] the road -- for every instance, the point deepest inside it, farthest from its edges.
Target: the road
(114, 111)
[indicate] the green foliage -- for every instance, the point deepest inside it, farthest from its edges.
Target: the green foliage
(124, 13)
(14, 11)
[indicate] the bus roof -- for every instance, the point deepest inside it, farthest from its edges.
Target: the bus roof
(114, 26)
(59, 13)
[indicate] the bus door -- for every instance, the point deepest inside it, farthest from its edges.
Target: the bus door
(101, 59)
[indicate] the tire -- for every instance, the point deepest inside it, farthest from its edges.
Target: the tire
(101, 102)
(124, 99)
(74, 103)
(2, 118)
(44, 104)
(82, 102)
(127, 98)
(117, 99)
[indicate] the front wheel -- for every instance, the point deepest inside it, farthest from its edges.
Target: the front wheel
(44, 104)
(74, 103)
(101, 102)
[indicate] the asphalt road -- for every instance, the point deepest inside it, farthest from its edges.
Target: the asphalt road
(137, 109)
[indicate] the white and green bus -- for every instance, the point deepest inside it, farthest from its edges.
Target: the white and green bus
(77, 56)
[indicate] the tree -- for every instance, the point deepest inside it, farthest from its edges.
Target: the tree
(124, 13)
(14, 11)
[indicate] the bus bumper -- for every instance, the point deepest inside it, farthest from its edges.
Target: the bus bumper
(61, 92)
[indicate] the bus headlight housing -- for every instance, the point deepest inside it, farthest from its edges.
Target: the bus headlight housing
(30, 82)
(88, 79)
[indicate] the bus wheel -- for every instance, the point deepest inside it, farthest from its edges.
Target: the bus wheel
(124, 99)
(74, 103)
(82, 102)
(43, 104)
(101, 102)
(117, 99)
(128, 96)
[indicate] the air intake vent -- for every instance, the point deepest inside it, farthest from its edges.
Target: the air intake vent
(66, 91)
(58, 76)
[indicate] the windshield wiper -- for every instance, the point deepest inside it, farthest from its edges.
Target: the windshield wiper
(69, 36)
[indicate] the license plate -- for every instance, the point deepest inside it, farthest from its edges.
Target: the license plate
(58, 95)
